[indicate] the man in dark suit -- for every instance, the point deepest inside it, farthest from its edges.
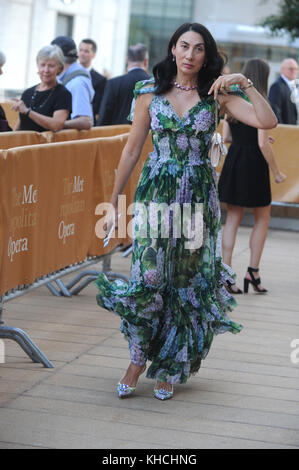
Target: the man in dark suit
(283, 94)
(118, 95)
(87, 52)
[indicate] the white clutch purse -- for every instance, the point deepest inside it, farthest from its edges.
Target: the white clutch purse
(217, 147)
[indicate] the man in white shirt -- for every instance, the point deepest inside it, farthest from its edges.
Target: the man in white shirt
(283, 95)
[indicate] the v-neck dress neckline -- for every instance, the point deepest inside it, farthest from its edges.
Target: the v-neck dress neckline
(186, 114)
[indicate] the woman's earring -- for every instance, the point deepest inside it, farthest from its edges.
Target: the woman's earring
(173, 58)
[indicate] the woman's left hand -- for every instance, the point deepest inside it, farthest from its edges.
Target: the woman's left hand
(223, 83)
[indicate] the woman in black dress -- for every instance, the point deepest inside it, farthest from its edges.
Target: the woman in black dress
(47, 105)
(244, 181)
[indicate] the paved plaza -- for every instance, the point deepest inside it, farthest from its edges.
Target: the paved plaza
(246, 394)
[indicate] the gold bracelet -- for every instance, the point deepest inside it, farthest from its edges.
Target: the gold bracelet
(250, 83)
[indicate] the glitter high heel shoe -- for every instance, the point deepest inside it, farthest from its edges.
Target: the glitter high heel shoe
(124, 390)
(163, 394)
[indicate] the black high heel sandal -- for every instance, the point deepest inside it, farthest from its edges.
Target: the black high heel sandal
(255, 282)
(229, 285)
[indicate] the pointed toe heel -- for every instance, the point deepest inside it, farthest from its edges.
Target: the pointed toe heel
(162, 394)
(124, 391)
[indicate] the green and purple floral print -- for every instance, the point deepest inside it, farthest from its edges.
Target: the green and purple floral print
(175, 301)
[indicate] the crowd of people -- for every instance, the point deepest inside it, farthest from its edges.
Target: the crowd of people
(177, 299)
(71, 93)
(96, 101)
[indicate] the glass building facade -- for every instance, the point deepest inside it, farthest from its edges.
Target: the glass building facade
(238, 53)
(153, 22)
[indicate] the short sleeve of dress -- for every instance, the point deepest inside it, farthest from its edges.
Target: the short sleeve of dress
(142, 87)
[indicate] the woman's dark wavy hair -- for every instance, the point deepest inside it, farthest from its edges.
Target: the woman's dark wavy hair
(165, 71)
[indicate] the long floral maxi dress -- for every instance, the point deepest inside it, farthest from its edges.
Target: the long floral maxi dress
(176, 300)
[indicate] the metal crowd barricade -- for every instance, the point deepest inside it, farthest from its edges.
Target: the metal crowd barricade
(22, 338)
(53, 280)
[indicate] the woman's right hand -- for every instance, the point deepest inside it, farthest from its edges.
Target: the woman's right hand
(112, 218)
(110, 227)
(20, 107)
(16, 104)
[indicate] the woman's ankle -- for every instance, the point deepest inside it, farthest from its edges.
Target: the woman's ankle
(132, 374)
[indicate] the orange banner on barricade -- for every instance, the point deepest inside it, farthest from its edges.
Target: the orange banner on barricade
(10, 140)
(46, 200)
(11, 116)
(107, 162)
(286, 150)
(93, 133)
(50, 197)
(108, 156)
(48, 217)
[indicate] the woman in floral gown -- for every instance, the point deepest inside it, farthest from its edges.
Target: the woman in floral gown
(176, 299)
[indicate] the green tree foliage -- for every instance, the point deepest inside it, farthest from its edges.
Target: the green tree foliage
(286, 20)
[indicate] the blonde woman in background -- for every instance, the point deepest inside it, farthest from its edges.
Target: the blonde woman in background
(45, 106)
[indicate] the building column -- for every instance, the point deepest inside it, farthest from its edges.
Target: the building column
(109, 27)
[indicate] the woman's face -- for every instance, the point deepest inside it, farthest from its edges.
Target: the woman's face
(48, 70)
(189, 53)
